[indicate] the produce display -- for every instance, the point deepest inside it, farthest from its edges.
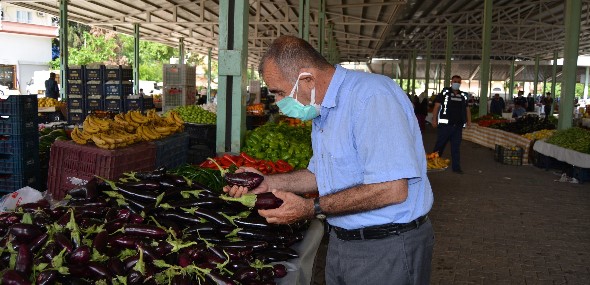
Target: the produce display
(539, 135)
(280, 142)
(255, 109)
(577, 139)
(195, 114)
(487, 120)
(47, 136)
(211, 107)
(243, 159)
(527, 124)
(434, 161)
(146, 228)
(48, 102)
(126, 128)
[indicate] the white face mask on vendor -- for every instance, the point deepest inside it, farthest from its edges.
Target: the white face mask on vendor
(455, 86)
(291, 107)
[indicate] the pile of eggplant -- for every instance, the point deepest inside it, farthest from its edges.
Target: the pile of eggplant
(145, 228)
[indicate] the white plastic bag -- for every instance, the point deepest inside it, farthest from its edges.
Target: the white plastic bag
(10, 201)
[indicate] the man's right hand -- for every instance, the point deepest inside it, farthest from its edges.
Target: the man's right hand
(238, 191)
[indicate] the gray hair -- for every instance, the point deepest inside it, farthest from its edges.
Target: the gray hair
(291, 54)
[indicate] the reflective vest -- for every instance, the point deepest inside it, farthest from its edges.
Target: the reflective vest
(443, 116)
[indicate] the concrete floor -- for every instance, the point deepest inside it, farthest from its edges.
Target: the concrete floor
(503, 224)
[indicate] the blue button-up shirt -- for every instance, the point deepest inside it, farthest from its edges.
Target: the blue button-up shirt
(367, 133)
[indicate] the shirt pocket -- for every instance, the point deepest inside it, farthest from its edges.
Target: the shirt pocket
(343, 170)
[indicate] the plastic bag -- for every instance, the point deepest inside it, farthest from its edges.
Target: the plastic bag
(10, 201)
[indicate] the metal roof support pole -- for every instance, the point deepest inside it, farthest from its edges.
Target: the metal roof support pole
(448, 54)
(401, 75)
(413, 72)
(383, 68)
(554, 75)
(485, 57)
(511, 92)
(209, 74)
(136, 58)
(393, 75)
(544, 86)
(300, 18)
(181, 50)
(586, 83)
(63, 48)
(322, 27)
(409, 84)
(233, 55)
(536, 81)
(306, 14)
(570, 61)
(427, 68)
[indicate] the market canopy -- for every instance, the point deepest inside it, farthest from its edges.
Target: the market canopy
(362, 30)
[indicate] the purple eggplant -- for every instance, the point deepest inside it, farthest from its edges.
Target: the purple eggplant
(245, 245)
(196, 217)
(31, 207)
(124, 241)
(279, 270)
(25, 233)
(266, 201)
(37, 243)
(135, 218)
(47, 277)
(151, 175)
(182, 280)
(266, 274)
(129, 262)
(184, 259)
(81, 255)
(115, 266)
(100, 241)
(245, 274)
(79, 271)
(249, 180)
(142, 230)
(219, 279)
(63, 242)
(12, 277)
(10, 218)
(24, 260)
(98, 271)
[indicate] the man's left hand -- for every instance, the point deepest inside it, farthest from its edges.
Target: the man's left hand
(294, 208)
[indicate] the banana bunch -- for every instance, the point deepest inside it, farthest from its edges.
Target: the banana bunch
(80, 137)
(433, 161)
(48, 102)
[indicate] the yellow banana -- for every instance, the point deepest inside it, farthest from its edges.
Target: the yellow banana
(76, 137)
(90, 128)
(139, 133)
(150, 134)
(97, 140)
(178, 120)
(138, 117)
(121, 120)
(107, 138)
(130, 120)
(165, 131)
(106, 146)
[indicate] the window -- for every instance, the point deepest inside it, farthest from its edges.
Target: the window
(24, 17)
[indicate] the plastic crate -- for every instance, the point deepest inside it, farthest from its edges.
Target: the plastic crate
(75, 72)
(174, 96)
(76, 118)
(94, 104)
(17, 125)
(20, 144)
(508, 155)
(198, 154)
(118, 88)
(115, 105)
(19, 164)
(94, 89)
(582, 174)
(75, 87)
(111, 72)
(93, 72)
(201, 134)
(140, 104)
(76, 105)
(18, 105)
(126, 73)
(171, 151)
(70, 162)
(179, 74)
(12, 182)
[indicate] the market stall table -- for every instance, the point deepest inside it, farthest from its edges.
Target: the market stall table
(570, 156)
(489, 137)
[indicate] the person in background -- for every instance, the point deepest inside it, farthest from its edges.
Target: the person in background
(450, 115)
(497, 105)
(530, 103)
(521, 100)
(51, 87)
(518, 111)
(368, 166)
(421, 109)
(141, 93)
(547, 102)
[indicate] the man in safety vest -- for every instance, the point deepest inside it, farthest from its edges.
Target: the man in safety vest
(450, 115)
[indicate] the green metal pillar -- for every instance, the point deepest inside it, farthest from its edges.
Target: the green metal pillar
(321, 27)
(570, 59)
(63, 49)
(393, 75)
(427, 68)
(181, 50)
(300, 18)
(544, 86)
(512, 79)
(401, 73)
(383, 68)
(209, 74)
(304, 19)
(409, 84)
(448, 54)
(136, 58)
(586, 83)
(554, 76)
(536, 71)
(485, 57)
(233, 53)
(413, 72)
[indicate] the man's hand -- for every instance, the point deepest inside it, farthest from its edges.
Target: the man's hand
(434, 122)
(294, 208)
(238, 191)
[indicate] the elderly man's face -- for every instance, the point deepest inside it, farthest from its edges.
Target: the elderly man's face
(281, 87)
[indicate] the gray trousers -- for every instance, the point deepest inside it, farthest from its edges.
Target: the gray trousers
(398, 259)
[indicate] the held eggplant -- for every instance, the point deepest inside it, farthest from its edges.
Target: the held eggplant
(266, 201)
(249, 180)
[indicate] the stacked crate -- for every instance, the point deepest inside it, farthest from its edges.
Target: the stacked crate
(94, 88)
(75, 94)
(179, 86)
(19, 143)
(118, 87)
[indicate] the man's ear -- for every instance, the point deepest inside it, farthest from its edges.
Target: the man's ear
(307, 77)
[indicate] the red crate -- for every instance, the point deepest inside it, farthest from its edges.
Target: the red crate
(82, 162)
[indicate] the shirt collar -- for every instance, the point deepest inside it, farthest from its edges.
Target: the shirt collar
(329, 100)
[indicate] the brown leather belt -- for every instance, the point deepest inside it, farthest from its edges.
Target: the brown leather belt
(378, 232)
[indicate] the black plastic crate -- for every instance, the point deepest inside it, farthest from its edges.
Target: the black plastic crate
(94, 104)
(75, 72)
(201, 134)
(118, 88)
(75, 88)
(17, 125)
(19, 164)
(11, 182)
(21, 145)
(148, 103)
(76, 105)
(93, 73)
(111, 72)
(76, 118)
(198, 153)
(508, 155)
(140, 104)
(171, 151)
(94, 89)
(582, 174)
(126, 73)
(115, 105)
(18, 105)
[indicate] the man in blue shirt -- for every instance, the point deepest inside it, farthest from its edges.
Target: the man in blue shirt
(51, 87)
(368, 165)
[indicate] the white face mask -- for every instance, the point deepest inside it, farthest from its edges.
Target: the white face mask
(455, 86)
(291, 107)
